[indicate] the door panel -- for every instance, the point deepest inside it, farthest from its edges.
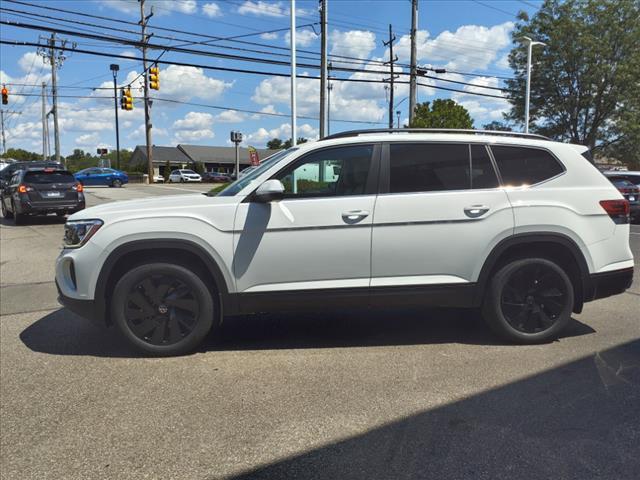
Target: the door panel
(319, 235)
(441, 235)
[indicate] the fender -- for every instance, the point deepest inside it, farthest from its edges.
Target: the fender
(148, 246)
(525, 238)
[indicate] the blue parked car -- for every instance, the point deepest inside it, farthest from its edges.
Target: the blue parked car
(101, 176)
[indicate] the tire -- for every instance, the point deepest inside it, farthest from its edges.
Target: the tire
(181, 180)
(18, 218)
(163, 309)
(116, 183)
(529, 301)
(5, 213)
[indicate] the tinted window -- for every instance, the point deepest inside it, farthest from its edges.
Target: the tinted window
(483, 174)
(424, 167)
(334, 171)
(525, 166)
(48, 177)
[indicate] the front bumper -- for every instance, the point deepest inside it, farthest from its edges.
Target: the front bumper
(609, 283)
(87, 309)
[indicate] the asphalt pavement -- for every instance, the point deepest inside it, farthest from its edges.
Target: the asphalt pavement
(365, 395)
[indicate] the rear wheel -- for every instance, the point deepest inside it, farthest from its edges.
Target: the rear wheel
(163, 309)
(529, 301)
(5, 213)
(18, 218)
(181, 180)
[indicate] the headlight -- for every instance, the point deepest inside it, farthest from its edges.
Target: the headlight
(78, 232)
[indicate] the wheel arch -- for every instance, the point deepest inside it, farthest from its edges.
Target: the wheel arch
(137, 252)
(554, 246)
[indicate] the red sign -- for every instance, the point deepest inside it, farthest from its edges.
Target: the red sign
(253, 156)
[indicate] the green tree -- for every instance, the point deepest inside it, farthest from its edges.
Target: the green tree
(585, 80)
(497, 126)
(198, 167)
(441, 114)
(21, 155)
(79, 160)
(274, 144)
(167, 170)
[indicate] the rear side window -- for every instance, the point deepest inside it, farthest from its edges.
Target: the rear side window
(425, 167)
(525, 166)
(48, 177)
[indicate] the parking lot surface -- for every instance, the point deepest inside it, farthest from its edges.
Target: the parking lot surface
(372, 395)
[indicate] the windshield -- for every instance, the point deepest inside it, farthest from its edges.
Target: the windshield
(188, 171)
(245, 180)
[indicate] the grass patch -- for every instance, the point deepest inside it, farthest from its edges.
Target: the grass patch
(217, 188)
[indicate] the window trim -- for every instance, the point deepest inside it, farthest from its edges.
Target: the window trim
(385, 167)
(557, 160)
(371, 185)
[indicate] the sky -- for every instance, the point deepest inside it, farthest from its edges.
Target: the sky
(200, 106)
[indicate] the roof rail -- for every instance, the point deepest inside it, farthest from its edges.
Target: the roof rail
(355, 133)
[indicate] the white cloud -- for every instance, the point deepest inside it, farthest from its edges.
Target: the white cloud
(212, 10)
(31, 61)
(194, 127)
(354, 43)
(88, 140)
(160, 7)
(229, 116)
(25, 131)
(471, 47)
(482, 109)
(503, 62)
(304, 38)
(261, 136)
(263, 9)
(269, 36)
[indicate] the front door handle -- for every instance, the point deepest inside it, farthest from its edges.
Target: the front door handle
(353, 216)
(475, 211)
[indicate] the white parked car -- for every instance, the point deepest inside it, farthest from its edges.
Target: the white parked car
(184, 176)
(520, 227)
(158, 179)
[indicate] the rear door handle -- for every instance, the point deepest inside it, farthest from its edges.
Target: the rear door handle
(354, 215)
(475, 211)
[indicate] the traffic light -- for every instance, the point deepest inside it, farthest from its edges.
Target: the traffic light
(126, 100)
(5, 95)
(154, 78)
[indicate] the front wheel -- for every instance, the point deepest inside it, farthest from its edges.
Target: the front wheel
(529, 301)
(116, 183)
(163, 309)
(5, 213)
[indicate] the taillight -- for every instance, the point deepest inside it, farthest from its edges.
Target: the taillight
(618, 210)
(78, 187)
(24, 189)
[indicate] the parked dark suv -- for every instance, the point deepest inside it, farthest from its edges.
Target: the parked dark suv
(40, 191)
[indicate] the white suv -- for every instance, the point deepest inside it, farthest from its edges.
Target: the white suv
(523, 228)
(184, 176)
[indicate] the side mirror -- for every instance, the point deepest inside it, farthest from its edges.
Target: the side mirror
(269, 191)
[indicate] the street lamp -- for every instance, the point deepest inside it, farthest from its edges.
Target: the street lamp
(398, 112)
(530, 44)
(114, 69)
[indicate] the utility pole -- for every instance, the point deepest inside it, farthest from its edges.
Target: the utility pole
(45, 134)
(294, 139)
(391, 61)
(413, 93)
(4, 140)
(530, 44)
(329, 88)
(323, 67)
(114, 69)
(147, 107)
(55, 59)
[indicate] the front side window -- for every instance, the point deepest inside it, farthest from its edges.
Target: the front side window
(337, 171)
(525, 166)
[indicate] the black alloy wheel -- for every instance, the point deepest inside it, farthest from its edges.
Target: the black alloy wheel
(116, 183)
(163, 309)
(533, 298)
(529, 300)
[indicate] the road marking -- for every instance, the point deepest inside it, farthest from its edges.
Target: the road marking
(178, 188)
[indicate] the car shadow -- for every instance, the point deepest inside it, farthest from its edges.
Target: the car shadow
(575, 421)
(63, 333)
(35, 220)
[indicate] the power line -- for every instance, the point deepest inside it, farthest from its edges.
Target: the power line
(228, 56)
(241, 70)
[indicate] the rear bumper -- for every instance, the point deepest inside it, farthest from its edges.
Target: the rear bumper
(49, 207)
(87, 309)
(609, 283)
